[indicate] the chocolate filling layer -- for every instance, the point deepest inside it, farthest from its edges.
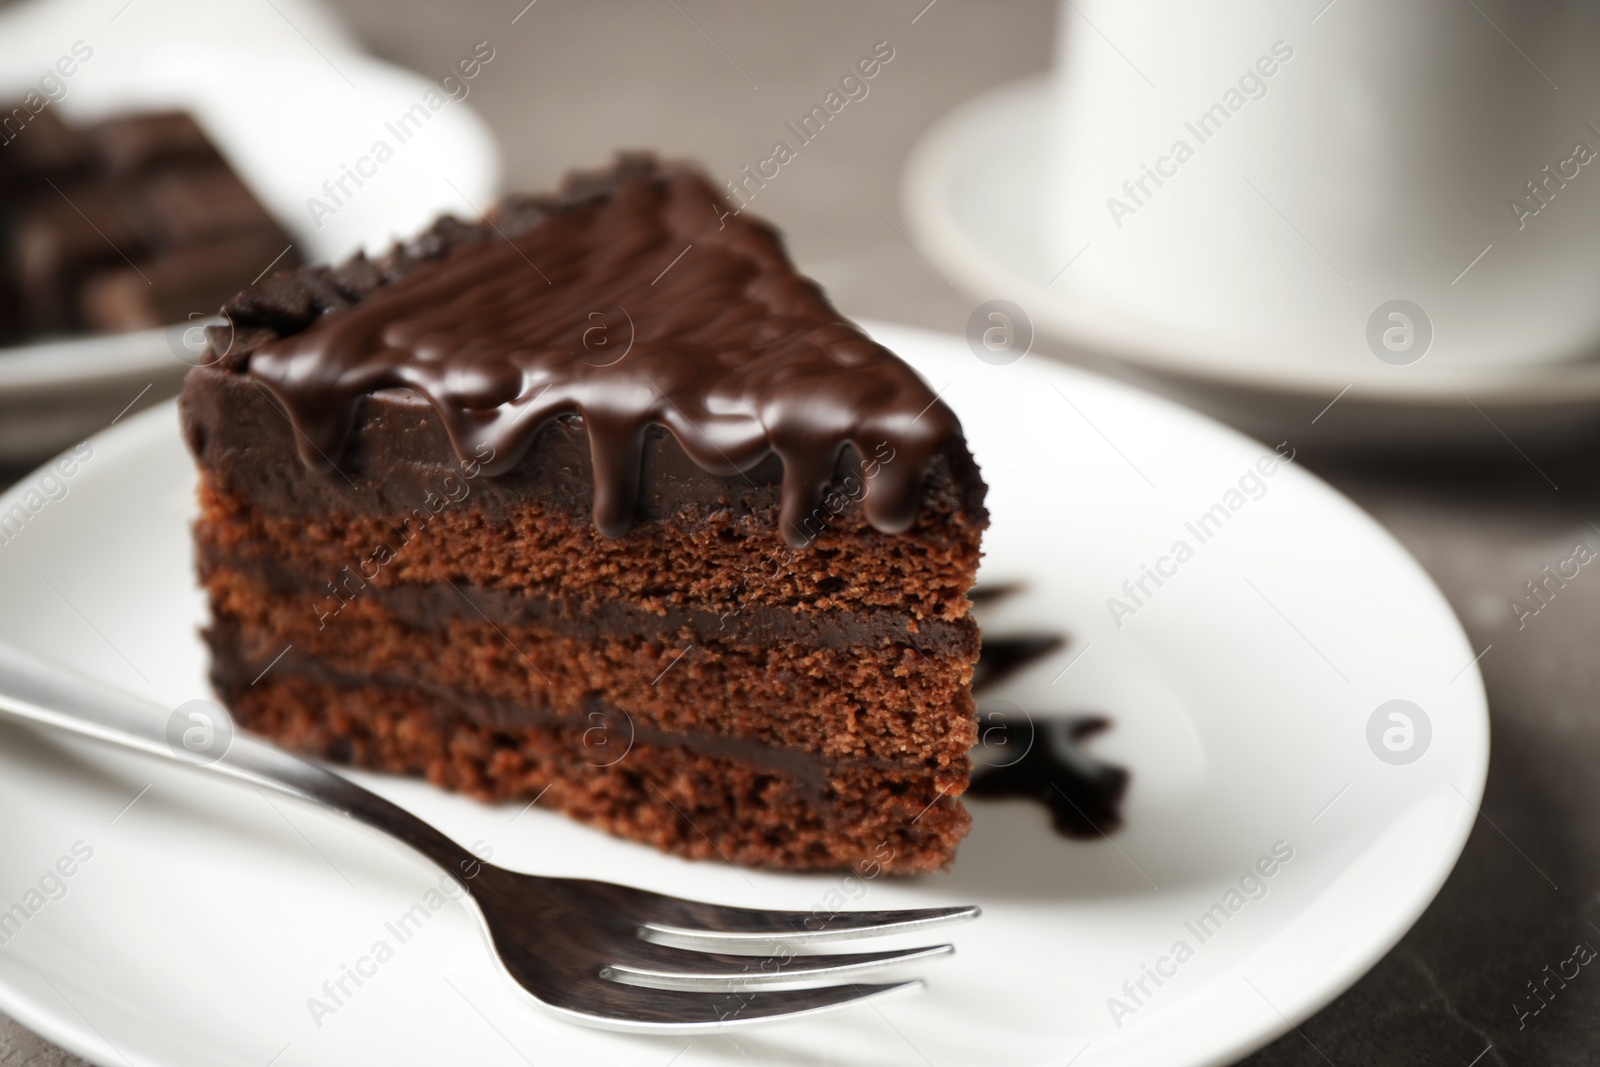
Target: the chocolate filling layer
(431, 607)
(231, 673)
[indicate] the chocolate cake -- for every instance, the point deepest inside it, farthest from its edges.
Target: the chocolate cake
(598, 503)
(130, 223)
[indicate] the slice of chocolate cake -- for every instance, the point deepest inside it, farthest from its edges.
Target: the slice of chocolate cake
(598, 503)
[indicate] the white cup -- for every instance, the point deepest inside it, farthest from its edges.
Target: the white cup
(1285, 183)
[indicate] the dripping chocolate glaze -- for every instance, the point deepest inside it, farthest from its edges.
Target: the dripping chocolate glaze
(632, 298)
(1083, 794)
(1001, 657)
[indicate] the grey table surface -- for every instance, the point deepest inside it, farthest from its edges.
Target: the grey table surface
(717, 80)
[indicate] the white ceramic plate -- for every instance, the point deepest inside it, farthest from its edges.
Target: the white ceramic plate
(1240, 693)
(289, 111)
(973, 192)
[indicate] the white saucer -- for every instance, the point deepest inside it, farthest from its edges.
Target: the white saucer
(287, 113)
(973, 191)
(1240, 694)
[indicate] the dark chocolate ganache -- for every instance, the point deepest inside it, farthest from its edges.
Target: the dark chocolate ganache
(634, 298)
(1083, 794)
(1040, 758)
(1001, 657)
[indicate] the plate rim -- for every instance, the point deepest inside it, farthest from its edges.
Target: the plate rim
(89, 359)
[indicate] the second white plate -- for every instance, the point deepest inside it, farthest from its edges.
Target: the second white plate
(290, 115)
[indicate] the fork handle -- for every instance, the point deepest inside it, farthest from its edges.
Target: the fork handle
(37, 691)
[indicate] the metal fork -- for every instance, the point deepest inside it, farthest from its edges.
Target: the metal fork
(593, 952)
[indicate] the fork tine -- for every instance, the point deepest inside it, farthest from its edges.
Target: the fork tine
(615, 1006)
(673, 919)
(663, 967)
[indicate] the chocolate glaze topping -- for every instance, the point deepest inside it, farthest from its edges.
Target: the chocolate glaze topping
(632, 298)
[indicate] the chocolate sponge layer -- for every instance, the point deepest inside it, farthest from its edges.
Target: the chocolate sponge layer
(873, 702)
(686, 798)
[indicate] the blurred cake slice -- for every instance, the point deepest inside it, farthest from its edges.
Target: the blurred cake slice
(131, 223)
